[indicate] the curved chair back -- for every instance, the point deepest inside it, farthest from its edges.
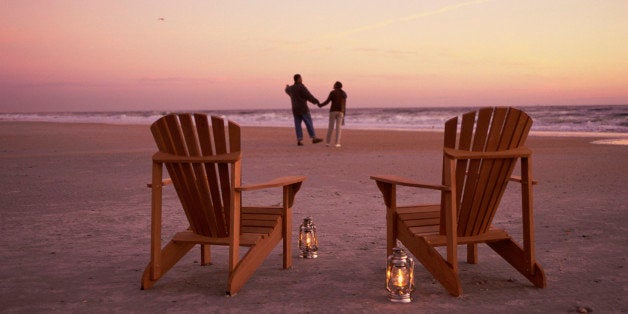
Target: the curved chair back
(205, 189)
(482, 182)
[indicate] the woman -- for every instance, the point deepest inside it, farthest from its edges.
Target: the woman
(338, 99)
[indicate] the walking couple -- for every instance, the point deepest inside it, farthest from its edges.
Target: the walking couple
(300, 95)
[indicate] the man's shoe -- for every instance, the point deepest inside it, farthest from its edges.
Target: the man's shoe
(299, 143)
(338, 145)
(316, 140)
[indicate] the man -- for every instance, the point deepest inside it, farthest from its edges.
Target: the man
(300, 96)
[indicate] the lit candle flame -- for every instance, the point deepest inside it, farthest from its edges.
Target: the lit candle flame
(401, 279)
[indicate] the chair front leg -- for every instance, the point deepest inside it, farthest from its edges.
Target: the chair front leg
(451, 213)
(155, 221)
(389, 192)
(289, 192)
(527, 212)
(234, 230)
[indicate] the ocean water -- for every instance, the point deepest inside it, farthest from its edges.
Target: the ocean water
(552, 119)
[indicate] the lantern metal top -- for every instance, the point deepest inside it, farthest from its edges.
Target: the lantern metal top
(399, 253)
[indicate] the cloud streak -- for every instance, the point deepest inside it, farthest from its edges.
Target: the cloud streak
(409, 18)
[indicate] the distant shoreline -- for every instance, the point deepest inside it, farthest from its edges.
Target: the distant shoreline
(559, 119)
(608, 138)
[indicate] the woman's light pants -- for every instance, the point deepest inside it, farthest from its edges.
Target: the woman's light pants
(335, 118)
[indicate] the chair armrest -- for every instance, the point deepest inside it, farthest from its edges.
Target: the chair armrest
(465, 154)
(518, 179)
(221, 158)
(163, 182)
(392, 179)
(283, 181)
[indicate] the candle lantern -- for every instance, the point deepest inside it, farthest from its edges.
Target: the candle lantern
(308, 243)
(399, 276)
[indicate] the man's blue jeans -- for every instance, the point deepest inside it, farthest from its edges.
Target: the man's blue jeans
(307, 118)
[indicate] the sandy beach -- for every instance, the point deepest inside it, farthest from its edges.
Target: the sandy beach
(76, 214)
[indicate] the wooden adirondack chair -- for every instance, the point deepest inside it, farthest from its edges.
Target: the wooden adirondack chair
(477, 165)
(204, 166)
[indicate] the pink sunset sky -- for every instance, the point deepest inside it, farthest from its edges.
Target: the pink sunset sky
(185, 55)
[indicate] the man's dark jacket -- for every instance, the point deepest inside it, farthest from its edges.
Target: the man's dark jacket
(300, 96)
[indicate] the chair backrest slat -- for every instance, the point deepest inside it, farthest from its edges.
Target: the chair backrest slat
(477, 132)
(478, 212)
(515, 132)
(224, 177)
(206, 140)
(451, 128)
(203, 188)
(482, 182)
(199, 182)
(174, 144)
(466, 140)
